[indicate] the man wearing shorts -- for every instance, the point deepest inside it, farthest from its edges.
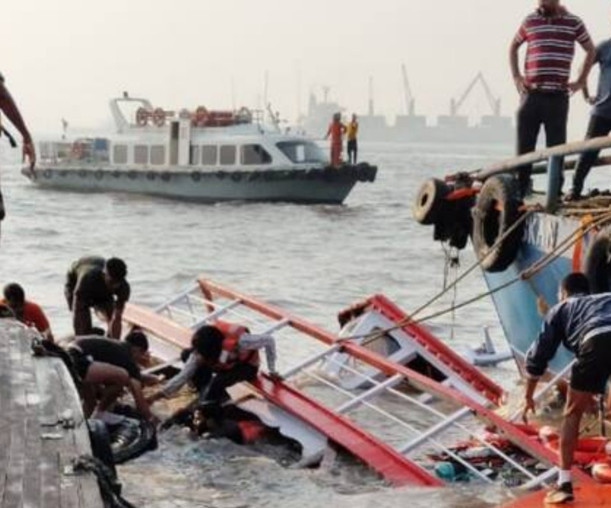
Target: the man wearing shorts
(101, 284)
(582, 323)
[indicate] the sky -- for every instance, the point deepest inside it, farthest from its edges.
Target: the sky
(67, 58)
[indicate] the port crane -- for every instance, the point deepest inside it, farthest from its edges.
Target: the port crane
(493, 101)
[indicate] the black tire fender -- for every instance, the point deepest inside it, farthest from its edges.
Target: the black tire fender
(100, 443)
(196, 176)
(430, 202)
(597, 262)
(496, 210)
(99, 174)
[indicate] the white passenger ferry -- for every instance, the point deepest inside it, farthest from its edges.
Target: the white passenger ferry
(197, 155)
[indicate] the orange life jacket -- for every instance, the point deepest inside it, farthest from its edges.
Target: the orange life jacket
(230, 353)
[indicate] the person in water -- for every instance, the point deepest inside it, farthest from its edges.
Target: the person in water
(93, 282)
(26, 311)
(336, 133)
(582, 323)
(352, 130)
(600, 117)
(221, 356)
(111, 366)
(10, 109)
(550, 34)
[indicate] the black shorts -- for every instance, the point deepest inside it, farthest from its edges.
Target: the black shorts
(80, 362)
(593, 367)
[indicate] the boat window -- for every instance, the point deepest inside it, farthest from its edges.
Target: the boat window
(302, 151)
(209, 155)
(254, 154)
(227, 155)
(157, 155)
(194, 155)
(141, 154)
(119, 154)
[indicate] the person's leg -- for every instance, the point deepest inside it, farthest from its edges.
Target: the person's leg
(356, 151)
(224, 379)
(577, 403)
(597, 126)
(555, 118)
(528, 124)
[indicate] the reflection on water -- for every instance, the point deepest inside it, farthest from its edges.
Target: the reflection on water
(313, 260)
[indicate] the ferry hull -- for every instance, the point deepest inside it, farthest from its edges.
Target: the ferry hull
(516, 305)
(313, 186)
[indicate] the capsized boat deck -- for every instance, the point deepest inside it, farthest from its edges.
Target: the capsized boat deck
(36, 449)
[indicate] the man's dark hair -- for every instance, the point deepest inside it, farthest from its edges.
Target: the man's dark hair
(137, 338)
(116, 268)
(14, 293)
(208, 342)
(576, 284)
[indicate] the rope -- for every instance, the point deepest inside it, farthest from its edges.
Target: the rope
(526, 274)
(109, 487)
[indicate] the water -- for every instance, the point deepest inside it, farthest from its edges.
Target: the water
(312, 260)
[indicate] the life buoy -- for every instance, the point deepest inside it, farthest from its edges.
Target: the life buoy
(159, 117)
(99, 174)
(601, 472)
(196, 176)
(116, 173)
(496, 210)
(597, 263)
(132, 175)
(430, 201)
(142, 117)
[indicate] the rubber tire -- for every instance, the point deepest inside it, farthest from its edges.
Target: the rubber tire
(100, 443)
(489, 223)
(597, 263)
(430, 200)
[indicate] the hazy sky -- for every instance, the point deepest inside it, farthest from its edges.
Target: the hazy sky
(65, 58)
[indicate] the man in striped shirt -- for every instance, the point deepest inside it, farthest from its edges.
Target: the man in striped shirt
(550, 34)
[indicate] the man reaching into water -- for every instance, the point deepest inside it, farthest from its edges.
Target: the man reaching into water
(101, 284)
(10, 109)
(582, 322)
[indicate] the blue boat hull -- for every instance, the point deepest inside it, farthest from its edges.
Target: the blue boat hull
(516, 305)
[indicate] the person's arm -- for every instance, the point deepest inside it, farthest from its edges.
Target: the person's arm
(81, 317)
(114, 326)
(545, 346)
(10, 109)
(529, 401)
(586, 67)
(252, 342)
(178, 381)
(149, 379)
(135, 387)
(518, 78)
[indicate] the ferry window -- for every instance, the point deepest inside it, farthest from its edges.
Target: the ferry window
(194, 155)
(254, 154)
(209, 155)
(119, 154)
(227, 155)
(302, 151)
(141, 154)
(157, 155)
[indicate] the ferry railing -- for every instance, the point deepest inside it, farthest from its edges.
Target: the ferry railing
(554, 165)
(190, 304)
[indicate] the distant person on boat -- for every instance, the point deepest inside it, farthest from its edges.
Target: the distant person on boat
(550, 34)
(352, 130)
(221, 356)
(582, 323)
(111, 365)
(10, 109)
(26, 311)
(600, 118)
(336, 131)
(93, 282)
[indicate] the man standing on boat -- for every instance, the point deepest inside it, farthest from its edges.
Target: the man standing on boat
(336, 131)
(582, 323)
(10, 109)
(101, 284)
(352, 130)
(550, 34)
(600, 117)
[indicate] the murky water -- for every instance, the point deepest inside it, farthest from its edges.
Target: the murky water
(312, 260)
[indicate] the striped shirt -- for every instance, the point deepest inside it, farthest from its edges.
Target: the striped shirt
(551, 48)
